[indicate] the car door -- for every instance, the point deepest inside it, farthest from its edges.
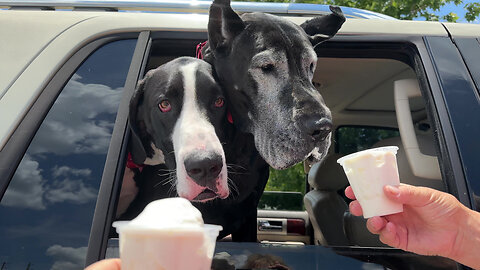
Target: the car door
(52, 164)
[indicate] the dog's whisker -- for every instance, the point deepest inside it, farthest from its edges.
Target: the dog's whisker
(231, 165)
(168, 180)
(233, 187)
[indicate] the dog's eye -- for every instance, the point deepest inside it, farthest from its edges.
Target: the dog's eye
(165, 106)
(312, 67)
(267, 67)
(219, 102)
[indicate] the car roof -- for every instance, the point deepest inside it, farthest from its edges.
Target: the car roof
(167, 6)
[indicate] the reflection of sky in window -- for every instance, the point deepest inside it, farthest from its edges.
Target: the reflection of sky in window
(48, 208)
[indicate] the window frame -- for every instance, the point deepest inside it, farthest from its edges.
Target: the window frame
(461, 97)
(115, 162)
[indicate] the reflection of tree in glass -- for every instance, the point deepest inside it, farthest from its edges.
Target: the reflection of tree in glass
(292, 179)
(354, 139)
(276, 200)
(265, 261)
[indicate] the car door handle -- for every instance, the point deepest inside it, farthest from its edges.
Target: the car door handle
(266, 225)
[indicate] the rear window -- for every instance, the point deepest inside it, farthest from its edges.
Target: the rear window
(352, 139)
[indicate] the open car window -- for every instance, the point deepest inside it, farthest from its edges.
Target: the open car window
(305, 213)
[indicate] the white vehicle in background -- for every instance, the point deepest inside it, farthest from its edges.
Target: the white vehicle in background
(68, 70)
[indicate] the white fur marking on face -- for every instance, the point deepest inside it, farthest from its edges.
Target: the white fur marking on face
(157, 158)
(193, 133)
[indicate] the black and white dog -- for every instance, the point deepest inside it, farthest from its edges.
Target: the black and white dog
(265, 65)
(177, 118)
(180, 128)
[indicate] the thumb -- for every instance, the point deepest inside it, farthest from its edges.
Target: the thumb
(410, 195)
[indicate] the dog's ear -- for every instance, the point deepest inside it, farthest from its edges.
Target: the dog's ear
(137, 127)
(223, 26)
(324, 27)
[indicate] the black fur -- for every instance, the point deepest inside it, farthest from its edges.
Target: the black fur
(293, 121)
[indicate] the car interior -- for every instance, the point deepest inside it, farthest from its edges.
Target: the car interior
(375, 101)
(364, 94)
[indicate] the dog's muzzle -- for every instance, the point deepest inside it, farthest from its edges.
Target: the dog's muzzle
(204, 175)
(317, 128)
(204, 170)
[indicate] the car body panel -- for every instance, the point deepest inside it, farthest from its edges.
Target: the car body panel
(463, 29)
(27, 38)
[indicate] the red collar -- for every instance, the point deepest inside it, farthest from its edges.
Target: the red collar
(133, 165)
(199, 53)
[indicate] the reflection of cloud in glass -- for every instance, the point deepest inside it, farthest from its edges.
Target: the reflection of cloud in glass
(73, 191)
(67, 258)
(67, 171)
(27, 187)
(74, 123)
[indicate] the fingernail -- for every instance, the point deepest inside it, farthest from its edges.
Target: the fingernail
(395, 191)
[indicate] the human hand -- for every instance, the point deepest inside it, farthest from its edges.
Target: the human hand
(108, 264)
(430, 223)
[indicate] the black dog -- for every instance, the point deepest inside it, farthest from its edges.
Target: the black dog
(265, 65)
(179, 121)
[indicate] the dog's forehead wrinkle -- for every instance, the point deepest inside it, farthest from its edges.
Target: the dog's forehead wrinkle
(269, 56)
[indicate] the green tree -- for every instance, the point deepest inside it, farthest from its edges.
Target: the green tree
(403, 9)
(292, 179)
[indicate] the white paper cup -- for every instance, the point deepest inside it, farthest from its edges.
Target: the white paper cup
(144, 248)
(368, 172)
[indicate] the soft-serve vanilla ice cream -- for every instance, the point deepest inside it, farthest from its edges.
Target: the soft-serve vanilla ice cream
(169, 234)
(368, 172)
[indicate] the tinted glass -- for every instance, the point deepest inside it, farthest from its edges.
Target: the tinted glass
(354, 139)
(46, 212)
(281, 200)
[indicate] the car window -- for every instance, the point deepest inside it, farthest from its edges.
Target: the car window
(284, 189)
(352, 139)
(46, 211)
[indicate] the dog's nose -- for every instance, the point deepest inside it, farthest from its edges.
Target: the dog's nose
(318, 128)
(204, 169)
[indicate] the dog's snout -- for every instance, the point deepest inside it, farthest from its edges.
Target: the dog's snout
(204, 169)
(318, 128)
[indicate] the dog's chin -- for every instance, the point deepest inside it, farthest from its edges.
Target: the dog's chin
(315, 156)
(285, 155)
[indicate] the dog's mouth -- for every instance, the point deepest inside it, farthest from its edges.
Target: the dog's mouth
(314, 156)
(286, 150)
(206, 195)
